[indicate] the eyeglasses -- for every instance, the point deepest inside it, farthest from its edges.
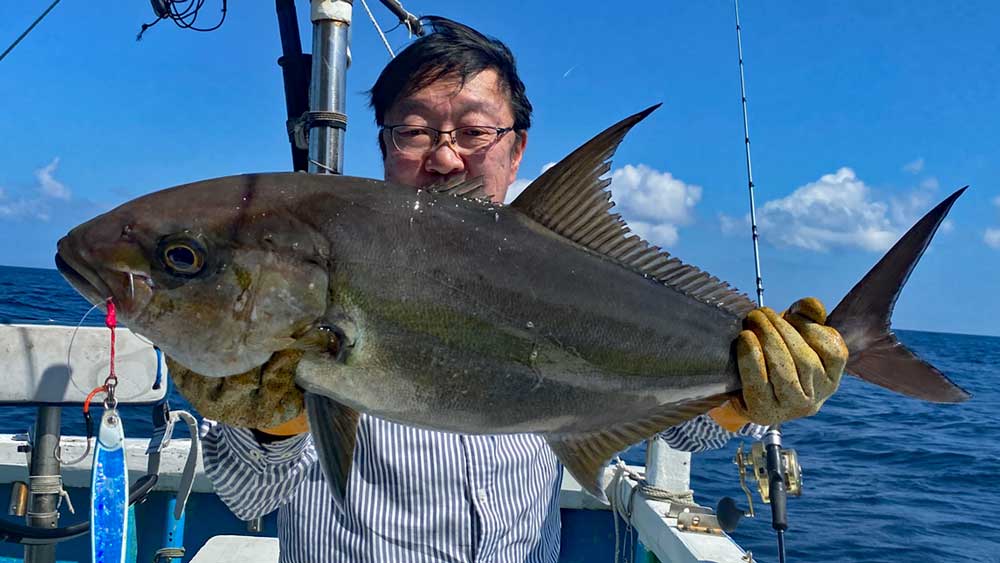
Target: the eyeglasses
(419, 139)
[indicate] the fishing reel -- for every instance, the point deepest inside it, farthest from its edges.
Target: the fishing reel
(752, 466)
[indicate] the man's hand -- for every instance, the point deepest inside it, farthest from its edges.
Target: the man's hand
(265, 398)
(789, 365)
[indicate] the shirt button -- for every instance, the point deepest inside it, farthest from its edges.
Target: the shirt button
(255, 454)
(482, 495)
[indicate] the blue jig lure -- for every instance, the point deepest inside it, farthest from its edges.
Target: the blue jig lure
(109, 492)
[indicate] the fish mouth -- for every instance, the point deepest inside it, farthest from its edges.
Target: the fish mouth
(127, 287)
(83, 279)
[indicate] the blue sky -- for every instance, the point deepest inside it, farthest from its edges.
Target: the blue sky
(862, 116)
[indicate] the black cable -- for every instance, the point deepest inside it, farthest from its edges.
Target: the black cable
(28, 535)
(27, 31)
(184, 16)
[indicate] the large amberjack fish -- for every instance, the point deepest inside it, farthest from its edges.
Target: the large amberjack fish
(437, 309)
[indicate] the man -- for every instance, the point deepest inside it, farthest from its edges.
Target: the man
(420, 495)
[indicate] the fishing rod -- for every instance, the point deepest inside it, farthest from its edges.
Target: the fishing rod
(772, 438)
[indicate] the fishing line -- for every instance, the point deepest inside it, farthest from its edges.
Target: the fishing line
(69, 350)
(378, 29)
(109, 474)
(323, 166)
(87, 419)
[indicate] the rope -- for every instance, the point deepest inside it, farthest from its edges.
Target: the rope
(652, 492)
(111, 382)
(379, 29)
(644, 488)
(45, 484)
(298, 128)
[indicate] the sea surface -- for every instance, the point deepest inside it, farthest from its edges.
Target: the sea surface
(886, 478)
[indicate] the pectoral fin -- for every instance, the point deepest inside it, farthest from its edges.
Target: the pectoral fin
(586, 454)
(334, 428)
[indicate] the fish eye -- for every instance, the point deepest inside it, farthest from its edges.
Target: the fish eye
(182, 257)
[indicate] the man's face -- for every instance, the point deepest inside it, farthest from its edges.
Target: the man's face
(481, 101)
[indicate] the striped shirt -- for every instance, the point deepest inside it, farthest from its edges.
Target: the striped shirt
(413, 494)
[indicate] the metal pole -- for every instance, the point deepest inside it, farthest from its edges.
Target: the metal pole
(44, 484)
(666, 467)
(295, 74)
(405, 18)
(327, 101)
(772, 439)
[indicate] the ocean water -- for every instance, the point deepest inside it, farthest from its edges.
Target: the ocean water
(37, 296)
(886, 478)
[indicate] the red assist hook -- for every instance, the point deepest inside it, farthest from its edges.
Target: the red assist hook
(110, 320)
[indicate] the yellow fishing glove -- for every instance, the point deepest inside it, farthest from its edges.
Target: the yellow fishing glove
(297, 425)
(789, 365)
(265, 398)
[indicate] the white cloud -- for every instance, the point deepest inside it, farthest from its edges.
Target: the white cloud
(837, 211)
(914, 167)
(647, 195)
(733, 225)
(520, 184)
(908, 208)
(515, 189)
(654, 203)
(37, 205)
(663, 235)
(992, 238)
(33, 208)
(49, 185)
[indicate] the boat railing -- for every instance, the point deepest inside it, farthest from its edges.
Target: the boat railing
(53, 367)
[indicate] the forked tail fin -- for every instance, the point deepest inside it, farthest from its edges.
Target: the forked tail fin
(862, 318)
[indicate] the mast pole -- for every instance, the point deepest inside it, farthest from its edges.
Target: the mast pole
(295, 69)
(772, 438)
(327, 118)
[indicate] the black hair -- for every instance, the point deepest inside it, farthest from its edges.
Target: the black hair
(451, 49)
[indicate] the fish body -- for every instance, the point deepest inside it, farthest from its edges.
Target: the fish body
(436, 309)
(456, 305)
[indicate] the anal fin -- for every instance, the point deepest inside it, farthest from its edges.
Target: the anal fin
(586, 454)
(334, 428)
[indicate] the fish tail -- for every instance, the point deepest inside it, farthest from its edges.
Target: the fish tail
(863, 318)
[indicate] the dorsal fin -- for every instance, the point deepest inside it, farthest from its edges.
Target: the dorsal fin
(573, 199)
(469, 189)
